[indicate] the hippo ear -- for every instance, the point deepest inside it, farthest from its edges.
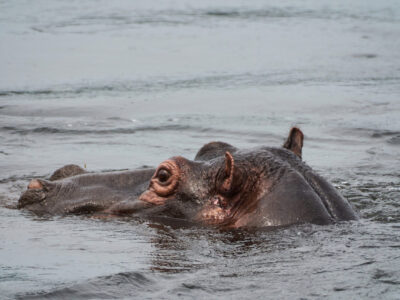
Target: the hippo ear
(294, 141)
(229, 169)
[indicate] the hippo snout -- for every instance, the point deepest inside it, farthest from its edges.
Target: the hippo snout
(37, 191)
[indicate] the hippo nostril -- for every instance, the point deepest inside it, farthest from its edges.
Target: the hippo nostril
(38, 190)
(35, 185)
(32, 196)
(41, 184)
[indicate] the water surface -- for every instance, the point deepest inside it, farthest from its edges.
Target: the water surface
(122, 84)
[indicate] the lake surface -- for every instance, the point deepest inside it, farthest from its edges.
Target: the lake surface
(114, 85)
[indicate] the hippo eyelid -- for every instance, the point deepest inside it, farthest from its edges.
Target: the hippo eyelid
(166, 178)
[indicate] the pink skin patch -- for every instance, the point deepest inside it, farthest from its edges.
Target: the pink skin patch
(215, 212)
(35, 185)
(150, 196)
(215, 201)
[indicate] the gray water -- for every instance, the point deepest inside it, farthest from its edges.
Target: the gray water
(114, 85)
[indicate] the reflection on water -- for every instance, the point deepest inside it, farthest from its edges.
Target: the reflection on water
(307, 260)
(118, 85)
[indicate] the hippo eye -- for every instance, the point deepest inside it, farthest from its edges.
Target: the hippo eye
(163, 175)
(165, 180)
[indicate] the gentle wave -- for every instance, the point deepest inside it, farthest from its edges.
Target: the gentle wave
(114, 286)
(394, 140)
(156, 84)
(133, 130)
(53, 130)
(392, 136)
(112, 20)
(292, 12)
(222, 81)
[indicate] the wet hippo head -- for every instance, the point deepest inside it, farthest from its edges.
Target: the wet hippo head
(222, 186)
(218, 191)
(258, 187)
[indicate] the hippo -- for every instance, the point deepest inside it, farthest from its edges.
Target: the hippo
(223, 186)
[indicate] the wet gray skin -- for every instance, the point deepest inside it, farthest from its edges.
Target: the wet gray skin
(223, 186)
(86, 193)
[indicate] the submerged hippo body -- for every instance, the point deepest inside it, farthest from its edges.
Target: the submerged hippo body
(223, 186)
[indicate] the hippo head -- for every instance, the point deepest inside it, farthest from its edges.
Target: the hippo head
(222, 186)
(212, 192)
(233, 188)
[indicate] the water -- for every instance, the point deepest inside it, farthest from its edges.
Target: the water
(122, 84)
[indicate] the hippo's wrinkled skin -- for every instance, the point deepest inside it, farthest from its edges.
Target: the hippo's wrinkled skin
(223, 186)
